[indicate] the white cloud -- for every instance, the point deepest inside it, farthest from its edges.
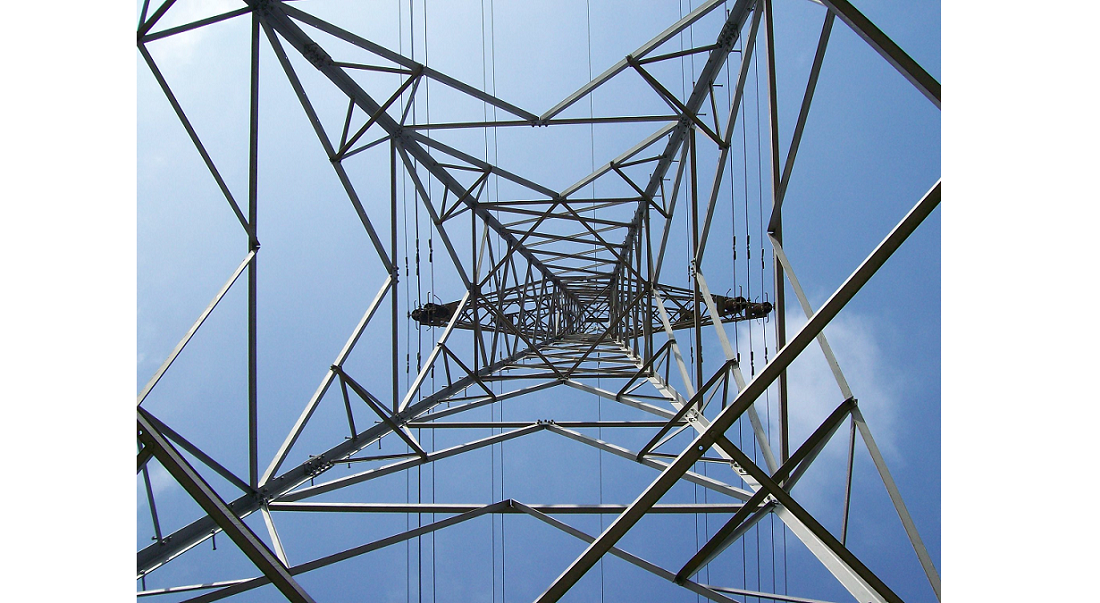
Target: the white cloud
(813, 393)
(855, 341)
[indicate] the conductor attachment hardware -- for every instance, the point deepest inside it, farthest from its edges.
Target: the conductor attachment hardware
(739, 307)
(434, 315)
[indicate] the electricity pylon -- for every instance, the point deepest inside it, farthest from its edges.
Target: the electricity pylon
(557, 294)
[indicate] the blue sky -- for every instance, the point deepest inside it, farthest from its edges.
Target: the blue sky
(1017, 121)
(871, 149)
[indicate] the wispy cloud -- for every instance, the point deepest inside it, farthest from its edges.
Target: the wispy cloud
(813, 393)
(855, 341)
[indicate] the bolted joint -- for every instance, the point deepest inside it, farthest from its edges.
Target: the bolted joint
(401, 135)
(316, 465)
(727, 36)
(264, 496)
(261, 6)
(316, 55)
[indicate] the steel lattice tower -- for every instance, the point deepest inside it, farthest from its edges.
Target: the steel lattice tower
(558, 312)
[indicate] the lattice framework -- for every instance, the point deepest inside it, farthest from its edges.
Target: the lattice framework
(560, 289)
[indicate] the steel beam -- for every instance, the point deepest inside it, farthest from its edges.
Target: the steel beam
(254, 247)
(763, 595)
(452, 508)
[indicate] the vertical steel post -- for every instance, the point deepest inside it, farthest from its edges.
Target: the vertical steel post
(253, 245)
(476, 285)
(395, 271)
(848, 481)
(647, 324)
(777, 270)
(696, 296)
(638, 284)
